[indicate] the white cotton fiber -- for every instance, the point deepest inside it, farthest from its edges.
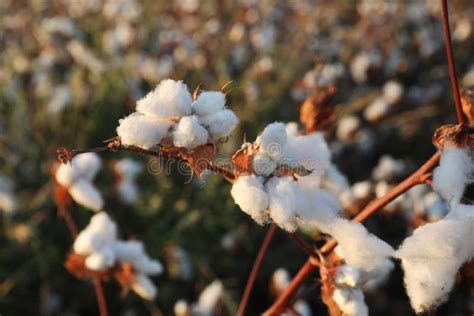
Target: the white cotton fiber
(347, 128)
(142, 131)
(393, 91)
(336, 182)
(146, 265)
(210, 296)
(101, 260)
(388, 168)
(144, 287)
(169, 99)
(127, 251)
(316, 207)
(128, 168)
(181, 308)
(263, 164)
(376, 277)
(292, 129)
(432, 256)
(103, 224)
(350, 301)
(87, 165)
(281, 279)
(377, 110)
(249, 194)
(308, 151)
(302, 308)
(273, 140)
(128, 191)
(84, 193)
(7, 202)
(283, 195)
(209, 102)
(87, 242)
(189, 133)
(453, 174)
(359, 248)
(347, 276)
(220, 124)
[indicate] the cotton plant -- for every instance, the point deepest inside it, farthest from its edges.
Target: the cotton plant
(77, 177)
(283, 180)
(100, 250)
(169, 116)
(127, 170)
(432, 256)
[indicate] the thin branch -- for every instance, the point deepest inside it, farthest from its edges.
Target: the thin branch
(99, 292)
(255, 268)
(452, 68)
(66, 215)
(307, 248)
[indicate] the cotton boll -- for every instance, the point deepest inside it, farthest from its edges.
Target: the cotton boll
(102, 260)
(209, 102)
(248, 192)
(7, 202)
(189, 133)
(220, 124)
(144, 287)
(263, 164)
(362, 190)
(435, 207)
(350, 301)
(273, 140)
(281, 280)
(87, 165)
(84, 193)
(432, 256)
(388, 168)
(284, 196)
(316, 207)
(308, 151)
(374, 278)
(360, 249)
(302, 308)
(87, 242)
(210, 296)
(146, 265)
(65, 175)
(347, 128)
(181, 308)
(347, 276)
(102, 224)
(393, 91)
(377, 110)
(142, 131)
(127, 251)
(128, 168)
(128, 191)
(292, 129)
(359, 67)
(453, 174)
(170, 98)
(336, 182)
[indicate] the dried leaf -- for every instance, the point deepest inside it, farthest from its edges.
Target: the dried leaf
(199, 158)
(467, 101)
(317, 111)
(75, 264)
(454, 135)
(242, 161)
(125, 276)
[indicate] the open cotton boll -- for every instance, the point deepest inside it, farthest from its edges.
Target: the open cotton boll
(209, 102)
(309, 151)
(128, 168)
(129, 250)
(435, 207)
(393, 91)
(263, 164)
(281, 279)
(66, 175)
(146, 265)
(388, 168)
(377, 110)
(142, 131)
(102, 260)
(347, 128)
(87, 242)
(220, 124)
(347, 276)
(292, 129)
(362, 189)
(350, 301)
(249, 194)
(432, 256)
(189, 133)
(273, 140)
(128, 191)
(316, 207)
(302, 308)
(453, 174)
(84, 193)
(87, 165)
(359, 248)
(181, 308)
(336, 182)
(170, 98)
(210, 296)
(284, 197)
(376, 277)
(144, 287)
(103, 224)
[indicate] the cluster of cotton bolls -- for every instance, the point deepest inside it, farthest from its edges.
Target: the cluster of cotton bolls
(102, 250)
(434, 253)
(168, 113)
(7, 197)
(350, 284)
(279, 282)
(77, 177)
(302, 200)
(207, 304)
(127, 170)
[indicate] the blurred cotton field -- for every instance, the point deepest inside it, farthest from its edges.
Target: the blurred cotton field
(76, 73)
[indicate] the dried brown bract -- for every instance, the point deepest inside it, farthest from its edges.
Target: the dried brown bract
(454, 135)
(317, 111)
(467, 101)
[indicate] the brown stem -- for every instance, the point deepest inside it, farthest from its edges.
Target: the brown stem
(418, 177)
(255, 268)
(295, 284)
(307, 248)
(452, 68)
(66, 215)
(99, 292)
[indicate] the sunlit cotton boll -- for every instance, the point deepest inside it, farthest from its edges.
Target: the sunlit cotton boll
(388, 168)
(393, 91)
(170, 98)
(182, 308)
(220, 124)
(144, 287)
(347, 128)
(101, 260)
(308, 151)
(283, 195)
(84, 193)
(142, 131)
(280, 280)
(350, 301)
(249, 194)
(378, 109)
(273, 140)
(209, 298)
(189, 133)
(209, 102)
